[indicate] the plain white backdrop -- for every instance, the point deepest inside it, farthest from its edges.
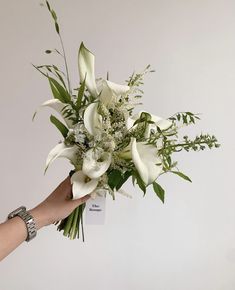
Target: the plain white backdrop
(187, 243)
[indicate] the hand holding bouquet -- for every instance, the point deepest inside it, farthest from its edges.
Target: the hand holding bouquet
(105, 140)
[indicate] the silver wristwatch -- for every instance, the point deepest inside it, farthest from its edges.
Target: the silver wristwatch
(28, 219)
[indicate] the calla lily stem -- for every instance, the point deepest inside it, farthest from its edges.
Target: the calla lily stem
(74, 228)
(68, 224)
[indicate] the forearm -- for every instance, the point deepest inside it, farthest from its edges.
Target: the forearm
(57, 206)
(13, 232)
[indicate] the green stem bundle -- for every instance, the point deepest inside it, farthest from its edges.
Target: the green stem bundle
(73, 224)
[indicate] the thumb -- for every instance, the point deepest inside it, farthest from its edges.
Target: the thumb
(81, 200)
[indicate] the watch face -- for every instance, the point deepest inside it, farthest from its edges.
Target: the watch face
(16, 211)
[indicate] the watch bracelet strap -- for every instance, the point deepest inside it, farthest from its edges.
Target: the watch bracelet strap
(30, 224)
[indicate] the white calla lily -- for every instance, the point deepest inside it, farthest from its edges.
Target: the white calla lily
(86, 66)
(95, 165)
(82, 185)
(110, 92)
(107, 90)
(92, 120)
(146, 160)
(58, 106)
(62, 150)
(163, 124)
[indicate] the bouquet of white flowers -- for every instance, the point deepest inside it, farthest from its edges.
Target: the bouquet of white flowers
(105, 141)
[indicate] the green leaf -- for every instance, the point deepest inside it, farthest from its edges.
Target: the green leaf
(58, 91)
(140, 182)
(185, 119)
(159, 191)
(60, 78)
(189, 113)
(60, 126)
(114, 178)
(48, 6)
(55, 92)
(144, 117)
(57, 28)
(80, 94)
(125, 176)
(34, 115)
(182, 175)
(54, 15)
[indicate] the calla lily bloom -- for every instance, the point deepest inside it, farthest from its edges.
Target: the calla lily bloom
(94, 166)
(111, 92)
(146, 160)
(159, 122)
(86, 67)
(58, 106)
(92, 120)
(108, 91)
(82, 185)
(62, 150)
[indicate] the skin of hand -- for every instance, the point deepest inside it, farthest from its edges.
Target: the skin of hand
(55, 207)
(58, 205)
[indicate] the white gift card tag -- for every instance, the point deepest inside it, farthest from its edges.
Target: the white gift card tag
(95, 211)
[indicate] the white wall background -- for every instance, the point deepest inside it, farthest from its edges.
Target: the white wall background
(188, 243)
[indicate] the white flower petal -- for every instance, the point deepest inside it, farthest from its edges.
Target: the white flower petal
(58, 106)
(163, 124)
(92, 120)
(117, 89)
(110, 92)
(81, 185)
(93, 167)
(106, 95)
(159, 122)
(86, 66)
(145, 159)
(61, 150)
(126, 152)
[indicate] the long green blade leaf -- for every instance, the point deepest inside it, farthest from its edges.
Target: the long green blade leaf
(58, 91)
(80, 94)
(60, 126)
(48, 6)
(55, 92)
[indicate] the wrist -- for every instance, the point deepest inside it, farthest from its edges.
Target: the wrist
(18, 223)
(38, 217)
(25, 216)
